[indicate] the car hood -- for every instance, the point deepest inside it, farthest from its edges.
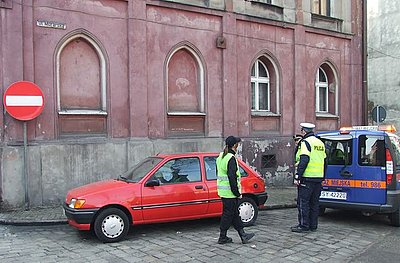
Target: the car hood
(96, 188)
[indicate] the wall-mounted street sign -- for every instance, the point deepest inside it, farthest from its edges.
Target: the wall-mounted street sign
(51, 24)
(23, 100)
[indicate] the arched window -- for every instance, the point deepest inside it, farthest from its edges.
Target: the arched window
(326, 90)
(185, 92)
(81, 87)
(264, 94)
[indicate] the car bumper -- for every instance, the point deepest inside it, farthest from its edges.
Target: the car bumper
(392, 204)
(77, 217)
(261, 198)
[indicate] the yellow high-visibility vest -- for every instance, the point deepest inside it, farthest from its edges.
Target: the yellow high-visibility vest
(315, 167)
(223, 186)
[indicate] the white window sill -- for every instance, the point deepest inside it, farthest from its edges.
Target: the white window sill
(178, 113)
(264, 114)
(82, 112)
(326, 115)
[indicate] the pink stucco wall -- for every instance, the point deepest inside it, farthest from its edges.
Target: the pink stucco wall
(136, 38)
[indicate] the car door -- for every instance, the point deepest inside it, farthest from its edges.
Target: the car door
(370, 179)
(210, 167)
(180, 195)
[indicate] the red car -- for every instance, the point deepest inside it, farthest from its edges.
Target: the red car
(163, 188)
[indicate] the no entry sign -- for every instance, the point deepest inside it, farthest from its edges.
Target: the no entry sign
(23, 100)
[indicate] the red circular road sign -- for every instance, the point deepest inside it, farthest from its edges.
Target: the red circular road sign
(23, 100)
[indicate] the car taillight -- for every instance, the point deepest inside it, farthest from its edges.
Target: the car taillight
(389, 167)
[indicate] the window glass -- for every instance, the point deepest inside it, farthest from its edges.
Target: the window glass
(211, 168)
(322, 7)
(339, 152)
(260, 87)
(179, 171)
(371, 151)
(322, 76)
(263, 97)
(322, 99)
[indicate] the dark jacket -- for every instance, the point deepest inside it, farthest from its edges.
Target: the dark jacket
(232, 168)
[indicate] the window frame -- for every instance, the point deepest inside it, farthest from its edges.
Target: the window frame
(318, 85)
(103, 78)
(319, 4)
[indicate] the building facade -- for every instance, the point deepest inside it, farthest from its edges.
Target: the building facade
(125, 79)
(383, 59)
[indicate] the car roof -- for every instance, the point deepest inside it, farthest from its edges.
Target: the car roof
(188, 154)
(353, 133)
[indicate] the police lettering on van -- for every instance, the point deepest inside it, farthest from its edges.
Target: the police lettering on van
(363, 171)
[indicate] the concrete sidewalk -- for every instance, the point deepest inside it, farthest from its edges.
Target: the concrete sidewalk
(277, 198)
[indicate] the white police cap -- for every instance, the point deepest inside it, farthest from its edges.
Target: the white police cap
(307, 125)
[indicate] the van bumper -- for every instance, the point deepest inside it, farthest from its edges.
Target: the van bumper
(392, 204)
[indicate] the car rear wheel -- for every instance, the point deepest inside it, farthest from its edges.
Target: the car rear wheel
(395, 218)
(248, 211)
(111, 225)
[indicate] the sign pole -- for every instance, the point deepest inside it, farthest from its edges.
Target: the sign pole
(377, 115)
(26, 167)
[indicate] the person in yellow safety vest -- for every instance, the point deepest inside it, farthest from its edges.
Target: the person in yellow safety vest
(297, 140)
(228, 186)
(309, 175)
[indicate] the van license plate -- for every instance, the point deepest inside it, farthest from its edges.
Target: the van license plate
(333, 195)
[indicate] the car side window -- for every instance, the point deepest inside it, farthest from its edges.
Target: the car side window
(338, 152)
(211, 168)
(371, 151)
(179, 170)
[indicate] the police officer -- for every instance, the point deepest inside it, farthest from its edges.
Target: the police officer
(228, 185)
(308, 178)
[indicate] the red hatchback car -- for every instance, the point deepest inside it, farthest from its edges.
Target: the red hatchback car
(163, 188)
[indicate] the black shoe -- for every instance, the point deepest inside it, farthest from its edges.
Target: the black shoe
(246, 237)
(299, 229)
(224, 240)
(313, 229)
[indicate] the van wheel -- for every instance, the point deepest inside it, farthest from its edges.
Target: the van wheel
(248, 211)
(321, 211)
(111, 225)
(395, 218)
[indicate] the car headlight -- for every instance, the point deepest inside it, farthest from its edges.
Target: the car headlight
(76, 203)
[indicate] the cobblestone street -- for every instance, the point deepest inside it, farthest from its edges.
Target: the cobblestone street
(340, 238)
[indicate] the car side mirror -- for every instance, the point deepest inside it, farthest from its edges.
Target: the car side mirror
(152, 183)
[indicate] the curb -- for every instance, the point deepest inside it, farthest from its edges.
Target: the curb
(12, 222)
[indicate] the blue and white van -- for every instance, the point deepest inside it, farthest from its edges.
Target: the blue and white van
(363, 171)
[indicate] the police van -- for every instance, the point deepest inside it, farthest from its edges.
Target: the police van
(363, 171)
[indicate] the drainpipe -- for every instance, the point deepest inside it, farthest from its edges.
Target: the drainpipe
(364, 63)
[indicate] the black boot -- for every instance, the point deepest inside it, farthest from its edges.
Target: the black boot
(223, 239)
(245, 237)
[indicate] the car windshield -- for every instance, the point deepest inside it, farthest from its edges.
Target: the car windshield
(137, 172)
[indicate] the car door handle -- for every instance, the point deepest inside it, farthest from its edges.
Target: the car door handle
(345, 174)
(198, 187)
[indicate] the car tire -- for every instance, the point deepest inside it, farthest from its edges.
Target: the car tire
(395, 218)
(111, 225)
(248, 211)
(321, 211)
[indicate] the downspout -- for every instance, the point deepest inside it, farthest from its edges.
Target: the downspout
(364, 64)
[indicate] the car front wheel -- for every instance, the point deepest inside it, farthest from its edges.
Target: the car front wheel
(111, 225)
(248, 211)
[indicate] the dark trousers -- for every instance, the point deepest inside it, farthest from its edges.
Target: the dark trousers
(308, 204)
(230, 215)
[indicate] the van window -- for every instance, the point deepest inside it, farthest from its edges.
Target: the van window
(338, 152)
(394, 140)
(371, 151)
